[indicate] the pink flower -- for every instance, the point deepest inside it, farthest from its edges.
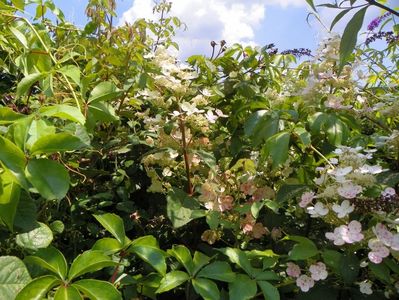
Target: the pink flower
(383, 234)
(225, 202)
(306, 198)
(293, 270)
(348, 190)
(248, 223)
(336, 236)
(305, 283)
(258, 230)
(319, 210)
(388, 192)
(350, 234)
(378, 251)
(248, 188)
(344, 209)
(318, 271)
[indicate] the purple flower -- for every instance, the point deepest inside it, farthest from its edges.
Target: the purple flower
(377, 21)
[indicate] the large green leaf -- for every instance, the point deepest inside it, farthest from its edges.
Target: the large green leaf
(89, 261)
(67, 293)
(243, 288)
(349, 37)
(7, 115)
(10, 193)
(58, 142)
(13, 159)
(49, 177)
(13, 276)
(107, 245)
(104, 91)
(38, 129)
(349, 267)
(37, 238)
(114, 224)
(63, 111)
(304, 248)
(72, 72)
(97, 289)
(51, 259)
(37, 289)
(147, 249)
(218, 270)
(206, 288)
(277, 148)
(239, 258)
(27, 82)
(269, 291)
(172, 280)
(180, 207)
(18, 132)
(199, 261)
(183, 255)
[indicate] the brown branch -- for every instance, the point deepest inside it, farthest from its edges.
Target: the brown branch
(375, 3)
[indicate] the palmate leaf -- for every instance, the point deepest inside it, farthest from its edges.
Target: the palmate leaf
(38, 288)
(10, 193)
(57, 142)
(97, 289)
(171, 280)
(183, 255)
(51, 259)
(67, 293)
(206, 288)
(113, 224)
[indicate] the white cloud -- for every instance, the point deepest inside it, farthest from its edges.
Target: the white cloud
(231, 20)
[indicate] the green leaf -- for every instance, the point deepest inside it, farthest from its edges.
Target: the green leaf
(304, 136)
(332, 258)
(310, 2)
(269, 291)
(107, 245)
(10, 193)
(239, 258)
(7, 115)
(13, 276)
(381, 271)
(199, 261)
(277, 148)
(19, 35)
(27, 82)
(147, 249)
(26, 216)
(349, 268)
(67, 293)
(37, 289)
(89, 261)
(206, 288)
(180, 207)
(72, 72)
(97, 289)
(58, 142)
(183, 255)
(51, 259)
(349, 37)
(266, 275)
(65, 112)
(13, 159)
(243, 288)
(338, 17)
(20, 4)
(218, 270)
(290, 191)
(18, 132)
(40, 237)
(49, 177)
(172, 280)
(102, 111)
(104, 91)
(303, 250)
(113, 224)
(38, 129)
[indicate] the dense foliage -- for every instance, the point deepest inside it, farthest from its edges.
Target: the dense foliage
(128, 174)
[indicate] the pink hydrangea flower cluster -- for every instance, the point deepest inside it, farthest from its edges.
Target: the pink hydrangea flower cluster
(349, 234)
(380, 246)
(305, 282)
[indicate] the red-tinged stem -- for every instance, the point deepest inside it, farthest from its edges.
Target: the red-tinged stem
(115, 273)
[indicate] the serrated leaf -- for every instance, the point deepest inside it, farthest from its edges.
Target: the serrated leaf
(97, 289)
(51, 259)
(207, 289)
(38, 288)
(88, 262)
(13, 276)
(349, 37)
(171, 280)
(40, 237)
(218, 270)
(49, 177)
(58, 142)
(113, 224)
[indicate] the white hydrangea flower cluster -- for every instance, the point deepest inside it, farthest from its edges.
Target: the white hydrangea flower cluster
(318, 271)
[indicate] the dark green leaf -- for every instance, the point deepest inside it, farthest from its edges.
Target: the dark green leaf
(13, 276)
(381, 271)
(172, 280)
(113, 224)
(49, 177)
(290, 192)
(199, 261)
(183, 255)
(239, 258)
(243, 288)
(97, 289)
(218, 270)
(349, 268)
(277, 148)
(107, 245)
(269, 291)
(207, 289)
(303, 250)
(27, 82)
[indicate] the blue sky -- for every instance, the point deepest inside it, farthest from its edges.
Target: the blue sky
(253, 22)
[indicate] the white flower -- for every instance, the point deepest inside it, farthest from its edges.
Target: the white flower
(349, 191)
(318, 210)
(365, 287)
(293, 270)
(211, 117)
(366, 169)
(306, 198)
(344, 209)
(190, 108)
(350, 234)
(340, 172)
(388, 192)
(318, 271)
(378, 251)
(305, 283)
(383, 234)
